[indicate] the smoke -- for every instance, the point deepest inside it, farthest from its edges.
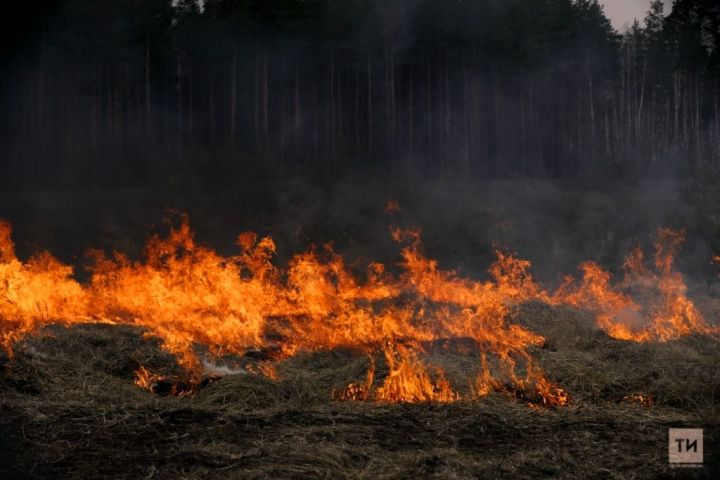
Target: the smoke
(492, 126)
(556, 225)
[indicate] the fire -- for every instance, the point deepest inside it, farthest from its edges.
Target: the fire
(187, 294)
(358, 390)
(35, 293)
(144, 378)
(265, 369)
(595, 292)
(170, 385)
(392, 206)
(409, 380)
(196, 300)
(201, 304)
(658, 309)
(639, 399)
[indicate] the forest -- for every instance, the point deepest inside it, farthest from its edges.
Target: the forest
(144, 92)
(359, 239)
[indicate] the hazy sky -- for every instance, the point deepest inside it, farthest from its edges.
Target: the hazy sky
(623, 12)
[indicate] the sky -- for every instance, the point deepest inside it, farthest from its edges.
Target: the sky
(623, 12)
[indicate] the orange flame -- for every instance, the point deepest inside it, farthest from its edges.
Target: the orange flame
(663, 313)
(189, 295)
(35, 293)
(168, 385)
(392, 206)
(639, 399)
(410, 382)
(145, 379)
(191, 298)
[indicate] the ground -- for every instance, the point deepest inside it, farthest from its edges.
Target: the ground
(69, 409)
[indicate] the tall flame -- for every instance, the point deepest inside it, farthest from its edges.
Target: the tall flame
(35, 293)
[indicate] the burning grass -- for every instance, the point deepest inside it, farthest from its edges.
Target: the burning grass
(188, 363)
(191, 297)
(70, 409)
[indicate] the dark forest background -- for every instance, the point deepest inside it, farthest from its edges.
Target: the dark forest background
(146, 92)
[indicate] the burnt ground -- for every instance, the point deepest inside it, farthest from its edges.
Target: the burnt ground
(69, 409)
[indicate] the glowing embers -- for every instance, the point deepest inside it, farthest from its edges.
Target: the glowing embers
(649, 304)
(175, 385)
(639, 399)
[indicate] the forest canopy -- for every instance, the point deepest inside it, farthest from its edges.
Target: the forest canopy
(133, 92)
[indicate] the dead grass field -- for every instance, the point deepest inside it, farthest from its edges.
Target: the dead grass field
(69, 409)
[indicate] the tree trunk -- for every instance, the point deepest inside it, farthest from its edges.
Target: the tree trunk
(297, 120)
(370, 119)
(179, 95)
(265, 106)
(148, 90)
(233, 94)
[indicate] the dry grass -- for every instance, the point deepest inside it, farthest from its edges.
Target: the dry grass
(69, 409)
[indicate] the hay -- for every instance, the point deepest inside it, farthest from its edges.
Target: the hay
(69, 409)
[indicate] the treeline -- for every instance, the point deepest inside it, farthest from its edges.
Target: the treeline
(127, 92)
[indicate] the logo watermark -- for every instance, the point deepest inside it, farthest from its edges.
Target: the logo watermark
(685, 447)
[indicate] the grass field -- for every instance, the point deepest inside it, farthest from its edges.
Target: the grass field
(69, 409)
(69, 406)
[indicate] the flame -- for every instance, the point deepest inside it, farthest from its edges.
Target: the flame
(392, 206)
(200, 303)
(409, 380)
(551, 394)
(639, 399)
(358, 390)
(191, 297)
(187, 294)
(35, 293)
(267, 369)
(169, 385)
(662, 310)
(145, 379)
